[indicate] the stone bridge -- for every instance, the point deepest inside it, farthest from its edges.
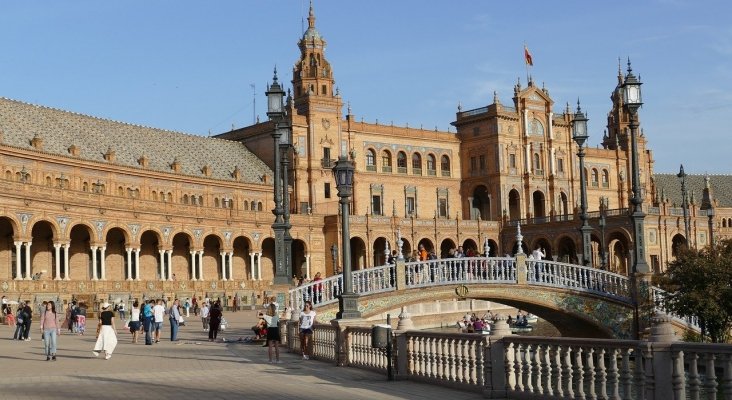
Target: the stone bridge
(579, 301)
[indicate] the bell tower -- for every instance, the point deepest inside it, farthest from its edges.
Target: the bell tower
(312, 75)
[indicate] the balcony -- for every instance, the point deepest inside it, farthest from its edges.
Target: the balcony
(386, 169)
(402, 170)
(371, 168)
(416, 171)
(445, 173)
(431, 172)
(327, 163)
(539, 172)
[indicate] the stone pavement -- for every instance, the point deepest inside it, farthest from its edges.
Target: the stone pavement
(189, 369)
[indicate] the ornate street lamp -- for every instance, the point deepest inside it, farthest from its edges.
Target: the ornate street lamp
(633, 100)
(579, 134)
(640, 280)
(275, 112)
(684, 204)
(348, 301)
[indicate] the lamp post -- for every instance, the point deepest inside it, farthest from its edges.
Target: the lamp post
(579, 134)
(684, 204)
(275, 112)
(632, 100)
(348, 301)
(285, 146)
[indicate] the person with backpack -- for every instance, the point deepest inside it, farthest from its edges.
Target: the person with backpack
(20, 322)
(147, 321)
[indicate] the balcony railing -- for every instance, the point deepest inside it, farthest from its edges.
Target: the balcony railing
(416, 171)
(326, 163)
(445, 173)
(402, 170)
(431, 172)
(371, 168)
(386, 168)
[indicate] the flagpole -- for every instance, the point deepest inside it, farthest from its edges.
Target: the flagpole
(526, 63)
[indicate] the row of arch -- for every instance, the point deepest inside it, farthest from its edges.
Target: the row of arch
(480, 204)
(403, 162)
(76, 254)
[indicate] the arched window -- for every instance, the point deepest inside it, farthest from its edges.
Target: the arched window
(605, 178)
(48, 181)
(246, 205)
(9, 175)
(200, 200)
(216, 202)
(385, 161)
(724, 222)
(154, 195)
(169, 197)
(120, 191)
(445, 165)
(595, 178)
(417, 164)
(370, 160)
(402, 162)
(253, 206)
(259, 206)
(185, 199)
(431, 164)
(537, 163)
(85, 187)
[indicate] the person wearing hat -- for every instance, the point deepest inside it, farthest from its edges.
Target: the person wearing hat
(107, 339)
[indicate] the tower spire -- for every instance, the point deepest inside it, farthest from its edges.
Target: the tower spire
(311, 16)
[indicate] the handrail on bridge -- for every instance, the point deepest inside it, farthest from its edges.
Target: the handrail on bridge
(479, 270)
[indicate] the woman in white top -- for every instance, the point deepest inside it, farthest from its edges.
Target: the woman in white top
(273, 333)
(135, 323)
(307, 318)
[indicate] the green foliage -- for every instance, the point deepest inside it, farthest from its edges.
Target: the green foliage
(699, 283)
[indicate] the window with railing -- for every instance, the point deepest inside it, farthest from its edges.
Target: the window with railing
(605, 179)
(370, 160)
(386, 161)
(595, 179)
(402, 162)
(326, 161)
(431, 165)
(445, 165)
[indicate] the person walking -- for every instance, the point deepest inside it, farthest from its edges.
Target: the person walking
(204, 316)
(187, 307)
(50, 329)
(107, 339)
(214, 316)
(307, 318)
(174, 318)
(159, 315)
(27, 319)
(135, 322)
(20, 322)
(273, 333)
(121, 310)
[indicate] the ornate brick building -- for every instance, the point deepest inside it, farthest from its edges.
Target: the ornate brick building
(99, 209)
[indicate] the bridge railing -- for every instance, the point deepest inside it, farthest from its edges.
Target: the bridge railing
(578, 277)
(513, 366)
(658, 296)
(460, 270)
(326, 291)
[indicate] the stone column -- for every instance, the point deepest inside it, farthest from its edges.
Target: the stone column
(103, 255)
(200, 264)
(223, 265)
(18, 256)
(137, 264)
(230, 266)
(67, 266)
(259, 266)
(57, 266)
(169, 256)
(27, 261)
(129, 263)
(307, 266)
(161, 269)
(252, 274)
(194, 274)
(94, 262)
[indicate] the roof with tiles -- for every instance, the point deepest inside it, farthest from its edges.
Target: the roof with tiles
(20, 122)
(721, 186)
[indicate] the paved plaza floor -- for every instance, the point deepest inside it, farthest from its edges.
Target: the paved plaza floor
(191, 368)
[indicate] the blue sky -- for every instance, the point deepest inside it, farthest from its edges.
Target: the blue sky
(189, 65)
